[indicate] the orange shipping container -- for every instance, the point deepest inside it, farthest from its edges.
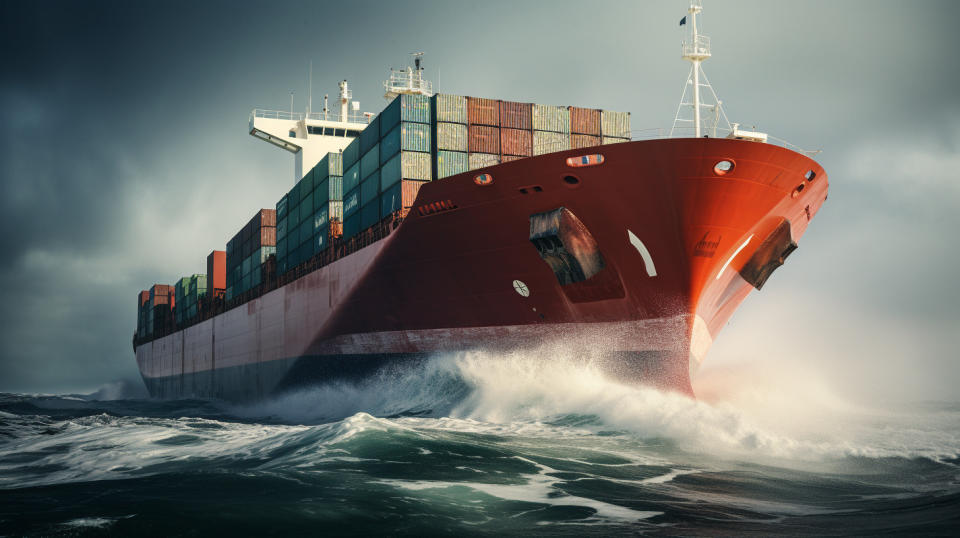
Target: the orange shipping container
(483, 111)
(483, 139)
(516, 142)
(585, 121)
(217, 270)
(516, 115)
(578, 141)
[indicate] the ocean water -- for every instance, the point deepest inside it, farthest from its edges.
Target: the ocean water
(474, 444)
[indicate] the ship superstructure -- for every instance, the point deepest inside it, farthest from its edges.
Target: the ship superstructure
(449, 223)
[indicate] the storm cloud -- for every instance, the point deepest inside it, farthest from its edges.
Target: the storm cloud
(125, 156)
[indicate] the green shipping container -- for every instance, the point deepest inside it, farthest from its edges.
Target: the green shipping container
(370, 136)
(281, 228)
(282, 207)
(369, 189)
(451, 108)
(321, 218)
(330, 165)
(305, 185)
(328, 189)
(370, 214)
(408, 137)
(321, 240)
(351, 225)
(351, 154)
(405, 107)
(351, 178)
(406, 165)
(370, 162)
(306, 231)
(451, 163)
(351, 203)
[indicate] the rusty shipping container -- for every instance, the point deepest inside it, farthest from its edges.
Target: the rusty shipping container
(400, 196)
(483, 111)
(516, 142)
(516, 115)
(483, 139)
(584, 121)
(578, 141)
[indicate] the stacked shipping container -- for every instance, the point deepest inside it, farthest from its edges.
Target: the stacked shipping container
(248, 250)
(415, 139)
(311, 214)
(394, 161)
(190, 291)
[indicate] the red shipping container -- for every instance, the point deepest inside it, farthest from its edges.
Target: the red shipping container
(584, 121)
(161, 294)
(409, 190)
(578, 141)
(516, 142)
(483, 139)
(268, 236)
(268, 217)
(483, 111)
(217, 270)
(516, 115)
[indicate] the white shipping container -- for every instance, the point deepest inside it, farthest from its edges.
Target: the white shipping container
(615, 124)
(548, 142)
(451, 136)
(482, 160)
(551, 118)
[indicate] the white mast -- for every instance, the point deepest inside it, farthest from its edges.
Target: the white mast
(696, 50)
(345, 95)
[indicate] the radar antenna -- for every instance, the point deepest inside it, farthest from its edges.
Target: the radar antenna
(408, 80)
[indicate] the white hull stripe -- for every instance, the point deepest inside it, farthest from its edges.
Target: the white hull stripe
(741, 247)
(644, 253)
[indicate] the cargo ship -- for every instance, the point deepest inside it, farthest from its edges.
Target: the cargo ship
(450, 223)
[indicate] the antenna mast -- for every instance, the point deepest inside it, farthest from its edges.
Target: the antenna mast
(696, 50)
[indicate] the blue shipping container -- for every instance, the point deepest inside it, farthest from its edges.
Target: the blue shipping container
(370, 136)
(369, 215)
(370, 162)
(351, 154)
(351, 226)
(351, 178)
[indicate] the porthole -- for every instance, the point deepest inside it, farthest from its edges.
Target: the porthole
(796, 192)
(571, 180)
(810, 175)
(723, 167)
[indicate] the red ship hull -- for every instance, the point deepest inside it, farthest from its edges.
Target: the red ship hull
(676, 247)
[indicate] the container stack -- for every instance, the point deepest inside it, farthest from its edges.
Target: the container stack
(143, 312)
(160, 309)
(190, 292)
(247, 251)
(551, 129)
(311, 213)
(450, 143)
(394, 162)
(584, 127)
(217, 272)
(614, 127)
(516, 131)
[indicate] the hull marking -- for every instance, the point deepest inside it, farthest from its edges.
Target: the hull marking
(521, 288)
(741, 247)
(644, 253)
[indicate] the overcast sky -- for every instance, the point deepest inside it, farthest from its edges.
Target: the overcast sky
(125, 158)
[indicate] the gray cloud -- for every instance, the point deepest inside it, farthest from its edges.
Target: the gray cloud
(126, 159)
